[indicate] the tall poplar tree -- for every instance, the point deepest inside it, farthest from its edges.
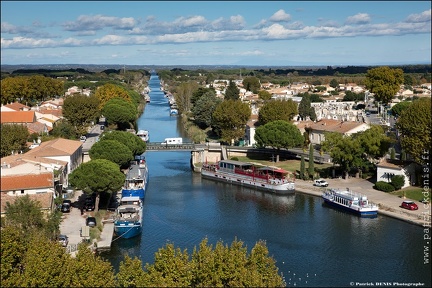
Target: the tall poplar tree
(311, 168)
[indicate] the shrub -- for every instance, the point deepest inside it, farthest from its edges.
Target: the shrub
(384, 186)
(398, 182)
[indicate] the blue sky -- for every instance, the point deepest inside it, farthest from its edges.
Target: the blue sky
(267, 33)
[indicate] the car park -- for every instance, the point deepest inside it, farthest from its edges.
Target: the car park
(320, 183)
(63, 239)
(409, 204)
(66, 206)
(91, 221)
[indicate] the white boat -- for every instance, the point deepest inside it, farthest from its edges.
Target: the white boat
(271, 179)
(143, 134)
(173, 112)
(350, 201)
(128, 217)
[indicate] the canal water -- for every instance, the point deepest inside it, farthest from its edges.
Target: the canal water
(314, 245)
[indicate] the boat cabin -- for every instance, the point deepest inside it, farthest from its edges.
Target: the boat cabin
(249, 169)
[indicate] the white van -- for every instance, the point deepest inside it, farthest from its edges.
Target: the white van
(169, 141)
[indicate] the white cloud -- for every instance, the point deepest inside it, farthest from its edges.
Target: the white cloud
(99, 22)
(425, 16)
(23, 42)
(360, 18)
(280, 16)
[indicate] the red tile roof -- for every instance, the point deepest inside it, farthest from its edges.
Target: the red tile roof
(18, 117)
(29, 181)
(17, 106)
(330, 125)
(56, 147)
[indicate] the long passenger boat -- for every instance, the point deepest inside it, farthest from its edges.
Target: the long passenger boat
(271, 179)
(350, 201)
(128, 217)
(136, 179)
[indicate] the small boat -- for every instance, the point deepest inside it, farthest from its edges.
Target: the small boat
(128, 217)
(144, 135)
(147, 98)
(267, 178)
(136, 179)
(350, 201)
(173, 112)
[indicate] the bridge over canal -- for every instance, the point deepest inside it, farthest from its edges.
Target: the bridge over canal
(213, 152)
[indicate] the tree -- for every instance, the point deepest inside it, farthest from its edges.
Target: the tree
(251, 84)
(277, 110)
(305, 109)
(80, 110)
(13, 138)
(384, 82)
(109, 91)
(344, 150)
(64, 129)
(131, 273)
(87, 177)
(201, 92)
(88, 270)
(264, 95)
(373, 141)
(112, 150)
(204, 108)
(302, 168)
(221, 266)
(232, 92)
(414, 125)
(278, 134)
(398, 181)
(44, 263)
(230, 118)
(184, 94)
(400, 107)
(24, 214)
(334, 83)
(13, 247)
(120, 112)
(133, 142)
(311, 168)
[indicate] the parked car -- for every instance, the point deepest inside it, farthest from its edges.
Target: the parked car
(32, 146)
(320, 183)
(91, 221)
(89, 204)
(63, 239)
(83, 138)
(410, 205)
(66, 206)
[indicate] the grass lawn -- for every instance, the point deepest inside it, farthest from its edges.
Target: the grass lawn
(289, 165)
(415, 193)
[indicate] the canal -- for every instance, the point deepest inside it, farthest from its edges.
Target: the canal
(314, 245)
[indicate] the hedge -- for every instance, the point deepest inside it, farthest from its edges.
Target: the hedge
(384, 186)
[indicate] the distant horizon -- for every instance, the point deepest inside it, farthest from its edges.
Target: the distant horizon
(227, 33)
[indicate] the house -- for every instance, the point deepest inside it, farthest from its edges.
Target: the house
(388, 168)
(16, 106)
(60, 149)
(39, 187)
(317, 130)
(18, 117)
(250, 130)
